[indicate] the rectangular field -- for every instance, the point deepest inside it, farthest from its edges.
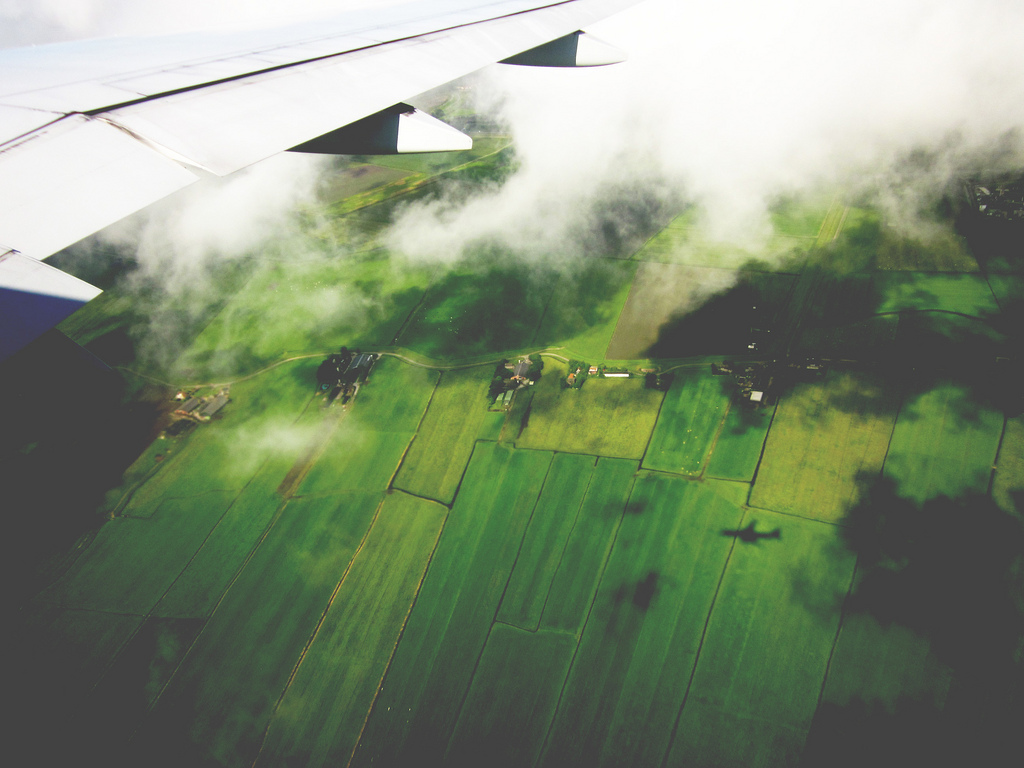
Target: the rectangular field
(688, 423)
(687, 240)
(823, 436)
(512, 698)
(1008, 484)
(374, 432)
(585, 308)
(131, 563)
(438, 456)
(640, 642)
(323, 710)
(586, 552)
(197, 589)
(969, 294)
(553, 519)
(944, 443)
(606, 417)
(737, 450)
(417, 708)
(219, 702)
(749, 703)
(478, 312)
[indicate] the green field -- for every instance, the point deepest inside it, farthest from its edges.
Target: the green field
(943, 444)
(434, 464)
(687, 240)
(783, 593)
(321, 712)
(607, 417)
(690, 420)
(968, 294)
(823, 436)
(1009, 476)
(737, 450)
(933, 249)
(418, 706)
(604, 576)
(641, 640)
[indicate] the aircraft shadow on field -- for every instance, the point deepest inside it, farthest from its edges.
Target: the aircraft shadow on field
(750, 534)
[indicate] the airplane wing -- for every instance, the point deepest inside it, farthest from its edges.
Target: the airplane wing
(95, 130)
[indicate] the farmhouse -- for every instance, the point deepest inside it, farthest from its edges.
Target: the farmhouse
(521, 370)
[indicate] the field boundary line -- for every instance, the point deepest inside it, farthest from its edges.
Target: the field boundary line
(220, 600)
(835, 642)
(565, 546)
(995, 461)
(586, 619)
(316, 630)
(398, 640)
(795, 515)
(700, 647)
(497, 608)
(415, 434)
(764, 447)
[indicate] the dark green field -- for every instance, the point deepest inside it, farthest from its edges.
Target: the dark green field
(605, 576)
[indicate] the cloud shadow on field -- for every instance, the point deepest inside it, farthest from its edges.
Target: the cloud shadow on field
(641, 594)
(951, 570)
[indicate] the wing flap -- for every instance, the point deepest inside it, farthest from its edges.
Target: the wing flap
(74, 177)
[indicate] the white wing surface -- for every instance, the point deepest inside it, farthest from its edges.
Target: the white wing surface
(92, 131)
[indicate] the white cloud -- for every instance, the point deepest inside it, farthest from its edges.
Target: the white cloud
(734, 101)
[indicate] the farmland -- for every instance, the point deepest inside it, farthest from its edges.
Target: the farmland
(602, 576)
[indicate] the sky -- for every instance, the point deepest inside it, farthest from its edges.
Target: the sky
(725, 104)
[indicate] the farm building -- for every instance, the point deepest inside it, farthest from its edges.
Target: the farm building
(211, 408)
(189, 406)
(344, 369)
(521, 369)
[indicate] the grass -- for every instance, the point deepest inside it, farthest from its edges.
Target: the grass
(571, 592)
(438, 456)
(74, 647)
(132, 563)
(585, 308)
(686, 241)
(220, 701)
(357, 179)
(512, 699)
(478, 311)
(367, 447)
(419, 703)
(969, 294)
(640, 642)
(608, 417)
(224, 454)
(737, 450)
(322, 712)
(1008, 484)
(783, 593)
(433, 163)
(201, 584)
(884, 664)
(688, 423)
(276, 586)
(309, 304)
(823, 436)
(943, 444)
(553, 519)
